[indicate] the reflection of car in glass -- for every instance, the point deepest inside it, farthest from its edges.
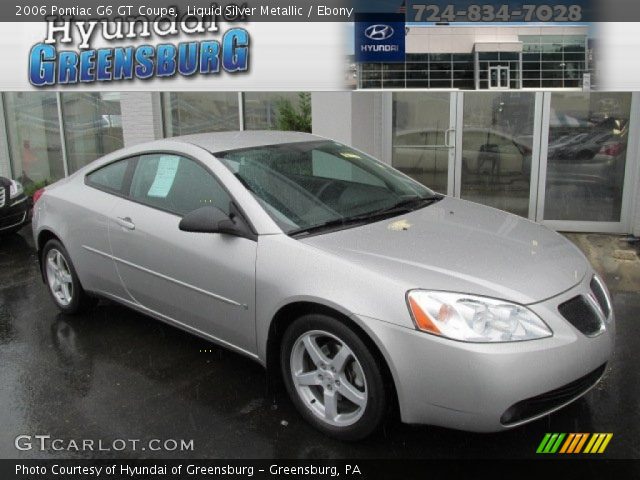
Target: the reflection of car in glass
(495, 152)
(594, 159)
(15, 207)
(580, 146)
(483, 151)
(360, 287)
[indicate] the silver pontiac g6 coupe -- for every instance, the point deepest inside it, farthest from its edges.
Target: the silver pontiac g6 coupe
(363, 290)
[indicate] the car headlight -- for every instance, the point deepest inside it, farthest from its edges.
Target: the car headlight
(15, 189)
(470, 318)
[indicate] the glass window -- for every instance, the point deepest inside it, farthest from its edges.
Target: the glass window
(92, 126)
(464, 83)
(440, 57)
(420, 124)
(574, 56)
(551, 57)
(531, 75)
(417, 57)
(579, 40)
(440, 66)
(371, 76)
(176, 184)
(586, 156)
(489, 56)
(110, 176)
(370, 67)
(463, 57)
(441, 74)
(424, 83)
(34, 138)
(371, 83)
(419, 75)
(466, 67)
(304, 185)
(529, 39)
(262, 110)
(531, 66)
(393, 84)
(509, 55)
(497, 140)
(200, 112)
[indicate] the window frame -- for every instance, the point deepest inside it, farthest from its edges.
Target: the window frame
(126, 181)
(126, 189)
(166, 210)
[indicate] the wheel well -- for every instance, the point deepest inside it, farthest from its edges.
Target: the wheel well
(287, 314)
(43, 237)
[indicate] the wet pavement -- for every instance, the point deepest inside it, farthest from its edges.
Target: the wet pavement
(116, 374)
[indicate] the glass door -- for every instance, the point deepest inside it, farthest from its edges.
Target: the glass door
(424, 137)
(585, 161)
(497, 164)
(559, 158)
(499, 77)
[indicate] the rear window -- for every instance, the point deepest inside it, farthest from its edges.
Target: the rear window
(110, 177)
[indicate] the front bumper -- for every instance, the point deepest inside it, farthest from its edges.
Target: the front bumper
(15, 213)
(492, 387)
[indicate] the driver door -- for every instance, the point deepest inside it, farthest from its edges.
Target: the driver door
(202, 281)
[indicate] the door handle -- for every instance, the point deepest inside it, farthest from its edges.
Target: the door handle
(126, 222)
(447, 137)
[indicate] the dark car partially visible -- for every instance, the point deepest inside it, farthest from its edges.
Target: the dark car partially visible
(15, 206)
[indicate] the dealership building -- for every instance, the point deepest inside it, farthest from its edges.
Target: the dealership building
(486, 57)
(566, 159)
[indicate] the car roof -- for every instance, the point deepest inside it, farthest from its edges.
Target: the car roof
(222, 141)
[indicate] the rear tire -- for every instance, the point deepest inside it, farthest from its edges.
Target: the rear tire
(62, 280)
(332, 377)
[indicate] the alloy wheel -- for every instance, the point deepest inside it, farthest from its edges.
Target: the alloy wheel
(59, 277)
(329, 378)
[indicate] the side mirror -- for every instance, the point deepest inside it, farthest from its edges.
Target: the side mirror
(210, 219)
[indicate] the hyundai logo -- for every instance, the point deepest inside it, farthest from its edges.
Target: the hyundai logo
(378, 32)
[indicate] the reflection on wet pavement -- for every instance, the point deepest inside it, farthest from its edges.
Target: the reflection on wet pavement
(114, 373)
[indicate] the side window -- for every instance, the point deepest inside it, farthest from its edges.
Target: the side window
(110, 177)
(176, 184)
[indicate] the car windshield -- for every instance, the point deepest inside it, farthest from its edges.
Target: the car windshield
(320, 185)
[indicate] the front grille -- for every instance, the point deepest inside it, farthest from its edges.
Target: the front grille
(535, 406)
(12, 220)
(3, 196)
(582, 315)
(601, 297)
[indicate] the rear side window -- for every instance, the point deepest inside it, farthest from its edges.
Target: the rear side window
(176, 184)
(110, 177)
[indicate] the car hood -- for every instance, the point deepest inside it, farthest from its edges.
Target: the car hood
(460, 246)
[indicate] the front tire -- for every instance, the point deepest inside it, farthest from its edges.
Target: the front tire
(332, 377)
(62, 280)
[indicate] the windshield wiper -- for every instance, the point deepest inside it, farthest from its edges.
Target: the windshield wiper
(406, 205)
(409, 204)
(338, 222)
